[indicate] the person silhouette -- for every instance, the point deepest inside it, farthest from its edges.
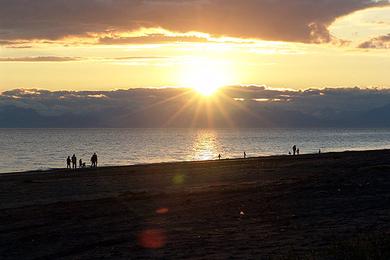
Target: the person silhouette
(294, 150)
(219, 156)
(244, 155)
(298, 151)
(74, 161)
(80, 163)
(94, 160)
(319, 151)
(68, 162)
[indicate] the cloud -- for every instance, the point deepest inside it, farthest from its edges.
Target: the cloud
(238, 106)
(152, 38)
(18, 46)
(381, 42)
(140, 58)
(70, 59)
(277, 20)
(39, 59)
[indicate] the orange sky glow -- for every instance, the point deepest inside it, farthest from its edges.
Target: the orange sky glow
(209, 48)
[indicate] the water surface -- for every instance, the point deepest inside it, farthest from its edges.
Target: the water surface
(39, 149)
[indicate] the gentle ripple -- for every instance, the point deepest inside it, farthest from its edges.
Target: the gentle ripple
(35, 149)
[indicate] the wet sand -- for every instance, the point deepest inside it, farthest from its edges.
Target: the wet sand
(252, 208)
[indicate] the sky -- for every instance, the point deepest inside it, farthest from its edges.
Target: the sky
(119, 44)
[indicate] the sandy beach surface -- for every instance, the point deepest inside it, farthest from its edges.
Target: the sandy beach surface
(280, 206)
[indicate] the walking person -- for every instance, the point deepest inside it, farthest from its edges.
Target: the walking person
(68, 163)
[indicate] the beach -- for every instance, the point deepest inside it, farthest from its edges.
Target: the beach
(266, 207)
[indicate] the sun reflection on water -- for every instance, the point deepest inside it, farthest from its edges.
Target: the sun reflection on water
(205, 146)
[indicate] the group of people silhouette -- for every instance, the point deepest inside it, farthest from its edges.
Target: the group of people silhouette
(295, 150)
(71, 162)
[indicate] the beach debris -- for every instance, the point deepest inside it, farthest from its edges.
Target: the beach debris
(152, 238)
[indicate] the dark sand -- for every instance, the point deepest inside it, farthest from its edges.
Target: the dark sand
(290, 206)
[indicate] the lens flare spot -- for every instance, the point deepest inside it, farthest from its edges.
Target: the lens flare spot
(152, 238)
(178, 179)
(162, 211)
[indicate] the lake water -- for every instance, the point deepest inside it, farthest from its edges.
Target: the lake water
(39, 149)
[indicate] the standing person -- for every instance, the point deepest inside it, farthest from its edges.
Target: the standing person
(74, 161)
(68, 163)
(219, 156)
(80, 163)
(96, 159)
(294, 150)
(92, 161)
(244, 155)
(298, 151)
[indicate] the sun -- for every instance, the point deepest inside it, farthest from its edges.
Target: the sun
(206, 76)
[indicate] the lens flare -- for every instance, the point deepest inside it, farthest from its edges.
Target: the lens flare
(152, 238)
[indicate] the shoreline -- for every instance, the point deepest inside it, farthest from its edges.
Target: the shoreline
(110, 167)
(307, 206)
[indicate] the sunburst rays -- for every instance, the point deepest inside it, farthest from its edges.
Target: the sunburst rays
(204, 111)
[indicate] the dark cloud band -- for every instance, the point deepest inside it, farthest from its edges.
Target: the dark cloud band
(251, 106)
(381, 42)
(292, 20)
